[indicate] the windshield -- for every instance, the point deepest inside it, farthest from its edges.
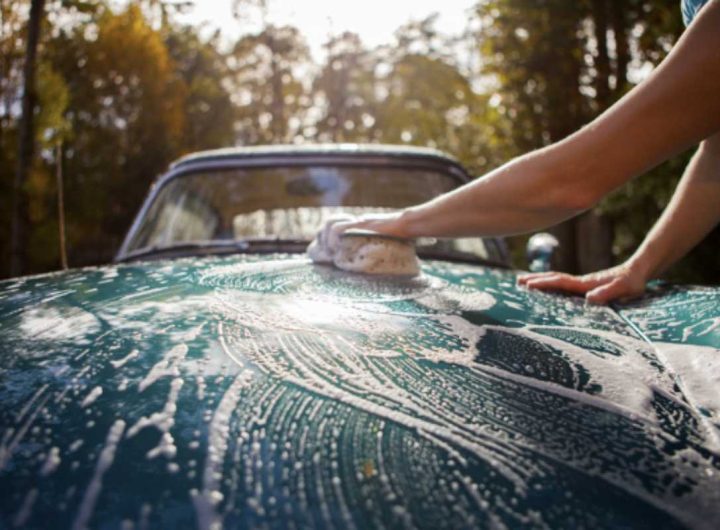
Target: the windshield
(283, 203)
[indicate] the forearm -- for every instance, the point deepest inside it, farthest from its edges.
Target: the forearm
(693, 211)
(523, 195)
(675, 108)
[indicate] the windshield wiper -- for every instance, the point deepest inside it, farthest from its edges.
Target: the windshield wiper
(221, 246)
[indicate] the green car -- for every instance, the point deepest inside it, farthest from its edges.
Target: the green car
(215, 378)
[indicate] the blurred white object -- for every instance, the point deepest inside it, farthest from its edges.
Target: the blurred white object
(540, 249)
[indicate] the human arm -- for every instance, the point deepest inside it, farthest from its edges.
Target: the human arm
(674, 109)
(693, 211)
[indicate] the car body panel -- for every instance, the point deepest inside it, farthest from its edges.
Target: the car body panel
(251, 391)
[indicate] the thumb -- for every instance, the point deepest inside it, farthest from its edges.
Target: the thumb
(608, 292)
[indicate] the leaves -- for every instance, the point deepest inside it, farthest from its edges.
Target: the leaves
(129, 90)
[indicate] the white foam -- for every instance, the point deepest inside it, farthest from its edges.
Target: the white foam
(705, 326)
(92, 396)
(200, 387)
(191, 334)
(627, 380)
(163, 421)
(207, 499)
(166, 447)
(105, 460)
(52, 461)
(167, 366)
(53, 324)
(119, 363)
(24, 410)
(698, 368)
(7, 447)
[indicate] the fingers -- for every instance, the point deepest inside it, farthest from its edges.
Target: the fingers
(522, 279)
(561, 282)
(381, 223)
(614, 290)
(332, 229)
(335, 230)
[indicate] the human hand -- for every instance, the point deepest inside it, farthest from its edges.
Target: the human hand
(326, 242)
(383, 223)
(623, 281)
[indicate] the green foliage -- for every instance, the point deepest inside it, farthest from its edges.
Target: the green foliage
(127, 91)
(345, 88)
(266, 79)
(126, 119)
(125, 98)
(209, 114)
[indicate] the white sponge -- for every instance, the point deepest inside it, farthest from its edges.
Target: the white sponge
(365, 252)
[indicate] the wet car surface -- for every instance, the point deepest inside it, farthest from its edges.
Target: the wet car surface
(264, 391)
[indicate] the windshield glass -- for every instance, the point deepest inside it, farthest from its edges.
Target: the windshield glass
(287, 203)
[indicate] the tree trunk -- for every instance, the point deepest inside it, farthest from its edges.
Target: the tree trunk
(278, 124)
(61, 204)
(26, 144)
(593, 231)
(620, 31)
(566, 114)
(602, 61)
(594, 238)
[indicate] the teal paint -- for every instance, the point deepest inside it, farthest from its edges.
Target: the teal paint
(331, 400)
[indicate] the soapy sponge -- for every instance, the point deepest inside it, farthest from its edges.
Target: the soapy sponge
(365, 252)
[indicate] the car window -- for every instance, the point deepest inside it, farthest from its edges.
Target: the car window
(288, 203)
(214, 205)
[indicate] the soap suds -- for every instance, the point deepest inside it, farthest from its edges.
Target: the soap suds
(167, 366)
(698, 368)
(376, 255)
(7, 447)
(207, 499)
(30, 402)
(366, 252)
(119, 363)
(51, 462)
(105, 460)
(92, 396)
(163, 421)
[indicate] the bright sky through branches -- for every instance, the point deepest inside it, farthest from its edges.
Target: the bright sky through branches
(374, 20)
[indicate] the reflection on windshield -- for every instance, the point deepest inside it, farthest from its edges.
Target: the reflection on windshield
(276, 201)
(288, 203)
(291, 223)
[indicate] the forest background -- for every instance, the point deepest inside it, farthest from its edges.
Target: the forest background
(118, 91)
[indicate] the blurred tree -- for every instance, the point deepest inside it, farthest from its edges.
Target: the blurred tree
(160, 12)
(209, 112)
(267, 86)
(650, 30)
(126, 112)
(13, 22)
(555, 66)
(26, 142)
(37, 192)
(129, 91)
(425, 99)
(534, 52)
(345, 91)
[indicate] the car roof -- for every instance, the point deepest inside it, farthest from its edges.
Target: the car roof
(337, 149)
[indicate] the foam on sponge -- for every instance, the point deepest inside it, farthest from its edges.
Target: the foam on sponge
(365, 252)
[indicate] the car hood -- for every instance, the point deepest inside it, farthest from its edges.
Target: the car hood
(253, 390)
